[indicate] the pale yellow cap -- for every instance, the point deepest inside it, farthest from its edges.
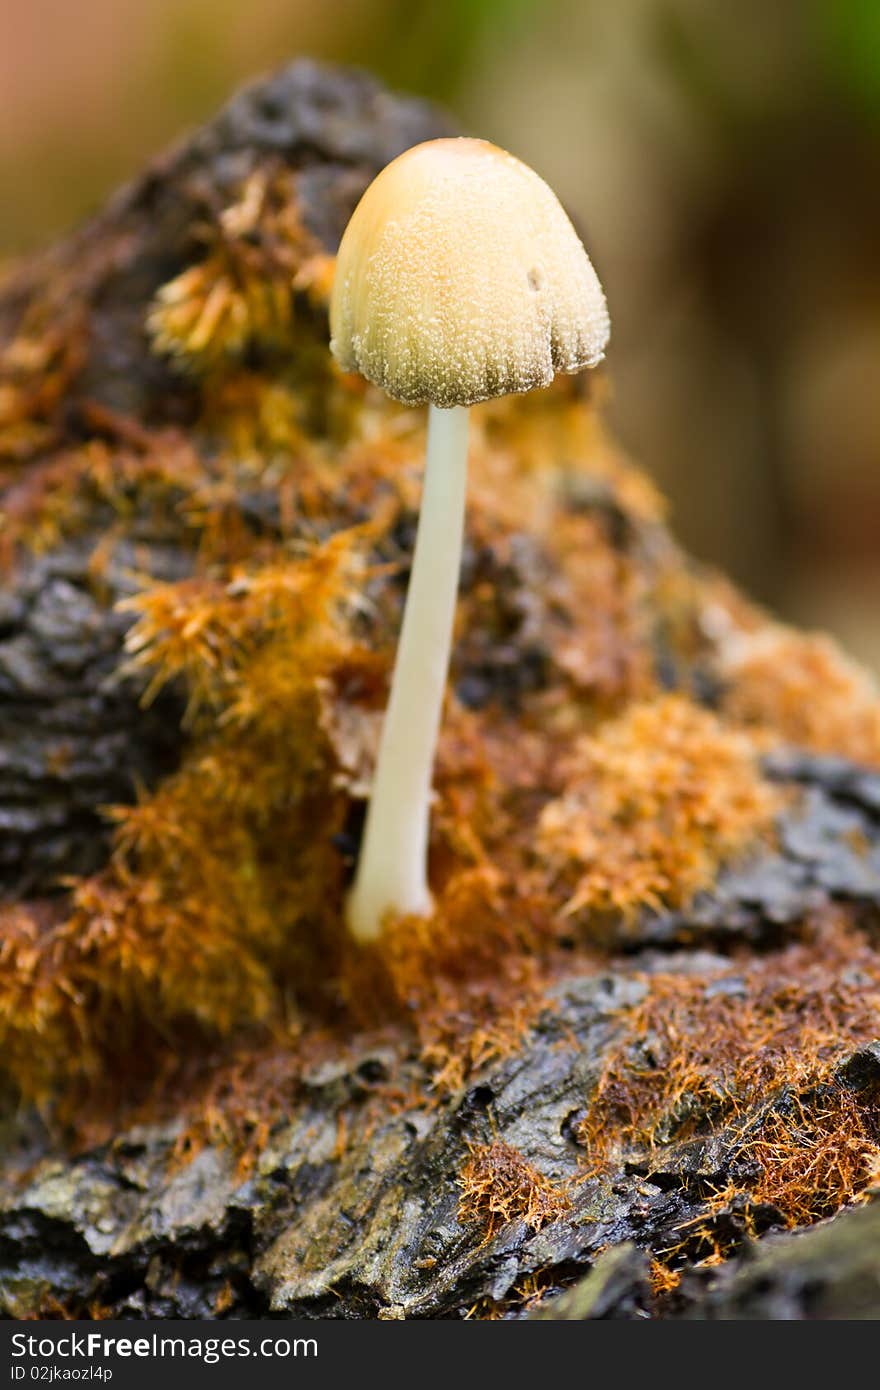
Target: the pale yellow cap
(460, 277)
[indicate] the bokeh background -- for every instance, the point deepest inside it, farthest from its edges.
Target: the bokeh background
(721, 158)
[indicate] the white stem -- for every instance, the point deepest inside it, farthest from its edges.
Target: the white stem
(392, 868)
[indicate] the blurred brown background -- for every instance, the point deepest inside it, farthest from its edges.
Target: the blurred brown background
(723, 160)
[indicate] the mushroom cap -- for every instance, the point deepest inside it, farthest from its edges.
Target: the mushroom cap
(460, 278)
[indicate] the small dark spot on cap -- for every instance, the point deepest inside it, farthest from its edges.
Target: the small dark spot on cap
(535, 277)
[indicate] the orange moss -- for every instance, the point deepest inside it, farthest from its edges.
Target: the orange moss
(810, 1153)
(259, 256)
(257, 418)
(469, 981)
(37, 368)
(42, 358)
(702, 1050)
(221, 883)
(653, 805)
(249, 646)
(815, 1153)
(59, 496)
(551, 430)
(499, 1185)
(235, 1105)
(262, 267)
(800, 689)
(663, 1280)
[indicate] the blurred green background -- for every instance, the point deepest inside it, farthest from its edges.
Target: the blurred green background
(721, 158)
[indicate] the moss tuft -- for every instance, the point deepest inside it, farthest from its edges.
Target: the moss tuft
(800, 689)
(241, 294)
(653, 804)
(750, 1048)
(499, 1185)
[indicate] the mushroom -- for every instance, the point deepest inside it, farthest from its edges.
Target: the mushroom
(459, 278)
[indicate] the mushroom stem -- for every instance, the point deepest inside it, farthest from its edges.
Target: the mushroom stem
(392, 868)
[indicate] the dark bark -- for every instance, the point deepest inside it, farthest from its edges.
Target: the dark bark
(73, 737)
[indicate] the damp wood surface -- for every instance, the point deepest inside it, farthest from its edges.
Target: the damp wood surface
(631, 1067)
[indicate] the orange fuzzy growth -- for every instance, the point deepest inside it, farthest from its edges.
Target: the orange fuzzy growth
(702, 1050)
(663, 1279)
(208, 913)
(469, 980)
(803, 691)
(243, 291)
(816, 1153)
(37, 367)
(59, 497)
(654, 803)
(499, 1185)
(252, 642)
(808, 1156)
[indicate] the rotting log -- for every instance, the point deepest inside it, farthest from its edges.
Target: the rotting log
(636, 1063)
